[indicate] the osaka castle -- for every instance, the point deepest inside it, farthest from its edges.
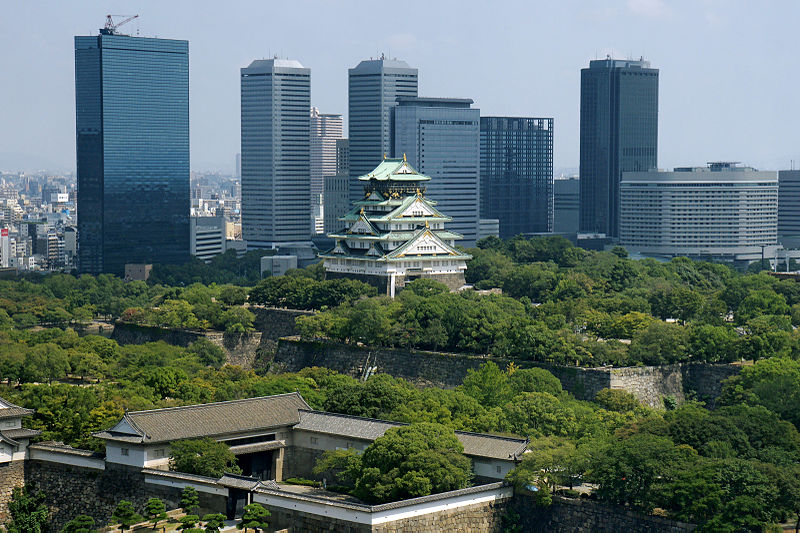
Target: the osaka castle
(395, 235)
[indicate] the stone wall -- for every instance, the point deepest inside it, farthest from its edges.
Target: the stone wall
(583, 516)
(419, 367)
(247, 350)
(12, 475)
(72, 490)
(649, 384)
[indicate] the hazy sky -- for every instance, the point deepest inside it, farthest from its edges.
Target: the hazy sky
(730, 70)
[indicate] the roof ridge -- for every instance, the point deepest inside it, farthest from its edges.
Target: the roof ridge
(395, 422)
(504, 437)
(343, 415)
(197, 405)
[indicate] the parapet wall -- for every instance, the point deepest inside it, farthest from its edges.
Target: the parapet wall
(650, 384)
(77, 482)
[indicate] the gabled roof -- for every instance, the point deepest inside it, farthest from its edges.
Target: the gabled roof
(207, 420)
(9, 410)
(363, 226)
(356, 427)
(425, 234)
(394, 170)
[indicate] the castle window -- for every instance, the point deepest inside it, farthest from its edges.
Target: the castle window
(124, 451)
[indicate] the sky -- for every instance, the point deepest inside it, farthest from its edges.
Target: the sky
(728, 90)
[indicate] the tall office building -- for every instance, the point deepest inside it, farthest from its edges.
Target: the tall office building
(132, 129)
(337, 192)
(789, 208)
(276, 193)
(326, 130)
(440, 137)
(618, 133)
(517, 173)
(373, 88)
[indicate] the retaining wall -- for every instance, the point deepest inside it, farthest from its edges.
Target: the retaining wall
(649, 384)
(12, 475)
(583, 516)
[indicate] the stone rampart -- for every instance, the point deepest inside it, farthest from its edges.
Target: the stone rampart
(650, 384)
(247, 350)
(570, 515)
(12, 475)
(73, 489)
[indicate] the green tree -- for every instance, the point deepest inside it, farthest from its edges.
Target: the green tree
(618, 400)
(155, 510)
(232, 295)
(189, 524)
(125, 515)
(237, 320)
(203, 457)
(208, 353)
(554, 461)
(540, 414)
(661, 343)
(28, 512)
(190, 500)
(628, 471)
(412, 461)
(255, 518)
(214, 522)
(80, 524)
(45, 362)
(488, 384)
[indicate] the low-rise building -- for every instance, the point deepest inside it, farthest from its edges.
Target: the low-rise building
(278, 436)
(720, 212)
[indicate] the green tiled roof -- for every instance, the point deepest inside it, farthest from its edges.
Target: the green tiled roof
(394, 170)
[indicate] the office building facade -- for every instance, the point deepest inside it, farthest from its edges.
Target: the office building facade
(276, 192)
(721, 212)
(325, 130)
(789, 208)
(516, 167)
(132, 136)
(566, 204)
(618, 133)
(337, 192)
(373, 88)
(440, 137)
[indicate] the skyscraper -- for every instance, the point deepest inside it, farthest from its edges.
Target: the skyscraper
(326, 131)
(373, 88)
(440, 137)
(789, 208)
(276, 193)
(337, 193)
(517, 173)
(132, 133)
(618, 133)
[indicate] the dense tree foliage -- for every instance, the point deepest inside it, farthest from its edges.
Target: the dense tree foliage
(204, 457)
(406, 462)
(28, 512)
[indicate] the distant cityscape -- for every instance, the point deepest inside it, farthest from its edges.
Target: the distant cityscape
(134, 199)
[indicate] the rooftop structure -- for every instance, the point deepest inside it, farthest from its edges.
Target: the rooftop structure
(13, 437)
(395, 234)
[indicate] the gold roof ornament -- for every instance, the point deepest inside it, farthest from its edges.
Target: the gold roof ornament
(384, 155)
(362, 209)
(426, 224)
(404, 156)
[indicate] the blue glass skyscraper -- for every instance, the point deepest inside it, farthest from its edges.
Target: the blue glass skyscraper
(441, 138)
(517, 173)
(132, 137)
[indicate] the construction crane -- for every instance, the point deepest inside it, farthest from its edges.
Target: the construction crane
(110, 28)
